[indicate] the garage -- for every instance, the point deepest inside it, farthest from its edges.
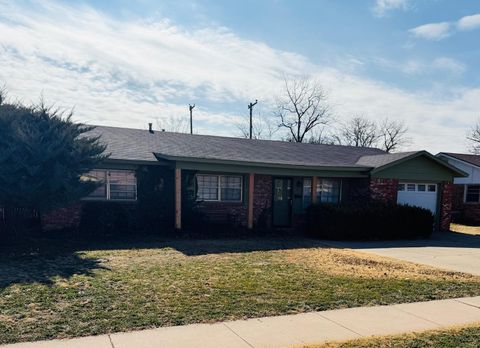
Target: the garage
(422, 195)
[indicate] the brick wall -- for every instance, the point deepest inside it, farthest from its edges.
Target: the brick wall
(446, 196)
(468, 213)
(262, 201)
(62, 218)
(224, 212)
(384, 190)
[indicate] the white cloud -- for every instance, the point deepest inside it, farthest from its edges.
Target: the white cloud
(449, 64)
(131, 72)
(439, 31)
(469, 22)
(432, 31)
(382, 7)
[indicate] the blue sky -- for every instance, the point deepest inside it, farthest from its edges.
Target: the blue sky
(128, 63)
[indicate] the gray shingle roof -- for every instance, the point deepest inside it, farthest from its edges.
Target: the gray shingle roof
(140, 145)
(381, 160)
(472, 159)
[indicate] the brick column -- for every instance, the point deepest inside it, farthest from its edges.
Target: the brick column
(384, 190)
(446, 196)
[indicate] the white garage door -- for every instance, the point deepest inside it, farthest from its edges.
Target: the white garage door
(418, 194)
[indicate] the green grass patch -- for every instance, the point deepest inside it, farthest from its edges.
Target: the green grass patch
(53, 291)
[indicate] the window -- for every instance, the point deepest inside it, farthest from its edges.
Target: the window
(227, 188)
(99, 176)
(307, 192)
(231, 188)
(116, 184)
(327, 191)
(207, 187)
(411, 187)
(123, 184)
(473, 194)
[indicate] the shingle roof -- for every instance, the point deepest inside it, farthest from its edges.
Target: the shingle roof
(377, 161)
(141, 145)
(472, 159)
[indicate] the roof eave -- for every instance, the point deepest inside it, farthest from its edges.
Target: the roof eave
(357, 168)
(455, 170)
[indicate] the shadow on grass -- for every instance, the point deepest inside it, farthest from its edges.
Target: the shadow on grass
(29, 268)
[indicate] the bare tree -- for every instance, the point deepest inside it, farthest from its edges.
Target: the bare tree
(474, 137)
(173, 124)
(324, 137)
(302, 107)
(393, 134)
(359, 131)
(263, 128)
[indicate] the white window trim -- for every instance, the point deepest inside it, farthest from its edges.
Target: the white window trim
(406, 183)
(219, 191)
(107, 184)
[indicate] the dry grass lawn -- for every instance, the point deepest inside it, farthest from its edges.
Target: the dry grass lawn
(473, 230)
(53, 291)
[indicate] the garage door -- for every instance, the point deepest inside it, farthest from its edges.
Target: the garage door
(418, 194)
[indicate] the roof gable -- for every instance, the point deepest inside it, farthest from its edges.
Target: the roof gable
(419, 165)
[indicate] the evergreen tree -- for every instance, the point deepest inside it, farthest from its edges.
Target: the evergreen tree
(43, 155)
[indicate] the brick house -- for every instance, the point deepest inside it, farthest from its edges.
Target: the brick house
(466, 190)
(257, 183)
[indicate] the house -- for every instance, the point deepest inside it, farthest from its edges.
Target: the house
(259, 183)
(466, 192)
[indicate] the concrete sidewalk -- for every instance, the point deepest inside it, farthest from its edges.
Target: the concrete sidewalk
(289, 330)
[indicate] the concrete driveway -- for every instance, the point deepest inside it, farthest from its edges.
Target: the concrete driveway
(447, 250)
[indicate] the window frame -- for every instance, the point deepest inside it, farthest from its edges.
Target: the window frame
(465, 194)
(405, 185)
(315, 189)
(108, 189)
(219, 186)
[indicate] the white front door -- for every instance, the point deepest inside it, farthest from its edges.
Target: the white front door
(422, 195)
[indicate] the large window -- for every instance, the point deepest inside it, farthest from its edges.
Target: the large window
(227, 188)
(114, 184)
(472, 194)
(327, 191)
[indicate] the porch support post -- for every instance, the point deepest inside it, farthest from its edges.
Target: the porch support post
(314, 189)
(251, 184)
(178, 199)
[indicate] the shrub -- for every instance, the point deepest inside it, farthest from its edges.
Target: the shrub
(107, 219)
(369, 221)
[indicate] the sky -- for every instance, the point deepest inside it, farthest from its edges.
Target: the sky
(127, 63)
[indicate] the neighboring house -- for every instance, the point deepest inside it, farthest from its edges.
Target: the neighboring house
(260, 183)
(466, 197)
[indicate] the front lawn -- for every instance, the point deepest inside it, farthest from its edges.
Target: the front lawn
(55, 290)
(465, 337)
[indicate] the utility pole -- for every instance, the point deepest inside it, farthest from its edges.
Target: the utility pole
(191, 118)
(250, 107)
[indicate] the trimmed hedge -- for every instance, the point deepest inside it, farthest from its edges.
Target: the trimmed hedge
(369, 221)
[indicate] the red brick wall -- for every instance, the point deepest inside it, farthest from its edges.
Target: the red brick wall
(262, 201)
(61, 218)
(384, 190)
(225, 212)
(446, 196)
(468, 213)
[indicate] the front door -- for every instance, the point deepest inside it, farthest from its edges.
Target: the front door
(282, 201)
